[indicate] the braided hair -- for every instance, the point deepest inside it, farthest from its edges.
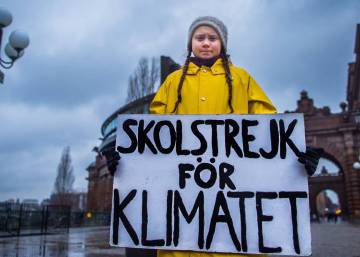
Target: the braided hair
(181, 82)
(225, 61)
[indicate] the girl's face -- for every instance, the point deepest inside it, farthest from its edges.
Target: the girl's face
(205, 42)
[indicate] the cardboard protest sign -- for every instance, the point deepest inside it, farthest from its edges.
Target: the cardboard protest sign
(216, 183)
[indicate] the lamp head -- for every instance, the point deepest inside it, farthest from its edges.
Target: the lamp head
(12, 53)
(5, 18)
(19, 40)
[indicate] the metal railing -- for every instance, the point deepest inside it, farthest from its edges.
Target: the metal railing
(22, 219)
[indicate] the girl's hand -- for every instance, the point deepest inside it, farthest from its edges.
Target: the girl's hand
(112, 158)
(310, 159)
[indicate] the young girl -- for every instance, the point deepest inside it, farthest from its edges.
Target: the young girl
(209, 83)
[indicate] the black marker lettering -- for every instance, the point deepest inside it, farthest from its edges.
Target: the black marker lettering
(248, 138)
(183, 175)
(198, 205)
(262, 218)
(203, 144)
(292, 199)
(172, 136)
(242, 196)
(214, 139)
(119, 214)
(285, 138)
(132, 136)
(143, 138)
(169, 206)
(144, 225)
(220, 202)
(225, 171)
(205, 167)
(230, 142)
(274, 134)
(179, 149)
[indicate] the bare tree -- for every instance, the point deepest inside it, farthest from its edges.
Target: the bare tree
(142, 81)
(65, 176)
(154, 75)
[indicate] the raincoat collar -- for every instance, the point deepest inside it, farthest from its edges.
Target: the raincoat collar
(216, 69)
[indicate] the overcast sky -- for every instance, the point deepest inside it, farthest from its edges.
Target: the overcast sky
(74, 73)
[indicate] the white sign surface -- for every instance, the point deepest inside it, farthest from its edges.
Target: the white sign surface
(215, 183)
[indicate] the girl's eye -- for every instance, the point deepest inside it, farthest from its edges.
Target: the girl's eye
(213, 38)
(200, 37)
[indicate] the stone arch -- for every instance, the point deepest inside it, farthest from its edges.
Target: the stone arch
(334, 182)
(338, 190)
(327, 206)
(334, 154)
(331, 157)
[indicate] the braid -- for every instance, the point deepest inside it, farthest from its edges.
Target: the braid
(184, 70)
(225, 62)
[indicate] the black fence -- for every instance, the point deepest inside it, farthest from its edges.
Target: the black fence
(87, 219)
(22, 219)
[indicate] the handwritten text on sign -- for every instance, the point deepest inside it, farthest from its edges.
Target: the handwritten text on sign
(217, 183)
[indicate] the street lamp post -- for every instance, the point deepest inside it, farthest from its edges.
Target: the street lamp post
(18, 41)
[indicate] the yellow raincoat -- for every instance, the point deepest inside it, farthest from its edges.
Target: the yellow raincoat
(205, 91)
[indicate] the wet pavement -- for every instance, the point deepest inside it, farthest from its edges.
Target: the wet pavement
(328, 240)
(80, 242)
(335, 240)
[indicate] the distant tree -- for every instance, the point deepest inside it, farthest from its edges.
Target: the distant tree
(65, 174)
(142, 81)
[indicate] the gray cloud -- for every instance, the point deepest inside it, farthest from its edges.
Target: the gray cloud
(75, 71)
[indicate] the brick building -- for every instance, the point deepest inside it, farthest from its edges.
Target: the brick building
(337, 133)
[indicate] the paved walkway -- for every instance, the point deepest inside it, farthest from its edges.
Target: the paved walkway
(336, 240)
(80, 242)
(329, 240)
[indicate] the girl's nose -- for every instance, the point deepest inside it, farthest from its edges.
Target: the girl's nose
(206, 43)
